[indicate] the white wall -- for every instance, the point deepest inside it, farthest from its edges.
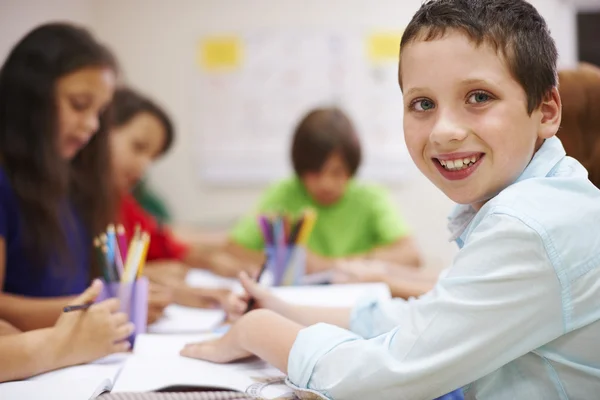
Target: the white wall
(586, 5)
(155, 41)
(17, 17)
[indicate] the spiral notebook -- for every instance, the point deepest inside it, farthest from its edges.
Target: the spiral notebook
(172, 373)
(176, 396)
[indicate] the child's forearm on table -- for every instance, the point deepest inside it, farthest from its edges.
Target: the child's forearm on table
(269, 336)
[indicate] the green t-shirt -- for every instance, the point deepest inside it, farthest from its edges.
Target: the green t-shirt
(363, 219)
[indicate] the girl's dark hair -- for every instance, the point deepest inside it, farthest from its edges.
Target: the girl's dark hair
(127, 103)
(322, 132)
(42, 180)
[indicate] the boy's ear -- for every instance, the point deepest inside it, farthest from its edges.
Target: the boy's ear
(551, 112)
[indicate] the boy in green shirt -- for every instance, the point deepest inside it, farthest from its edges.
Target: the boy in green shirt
(354, 220)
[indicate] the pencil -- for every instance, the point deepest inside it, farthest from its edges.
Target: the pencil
(111, 241)
(144, 253)
(109, 265)
(308, 224)
(131, 256)
(122, 239)
(252, 301)
(77, 307)
(265, 228)
(295, 230)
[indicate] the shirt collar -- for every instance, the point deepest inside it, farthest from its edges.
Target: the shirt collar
(542, 163)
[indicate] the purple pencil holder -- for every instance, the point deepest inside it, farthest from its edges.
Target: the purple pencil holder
(286, 264)
(133, 300)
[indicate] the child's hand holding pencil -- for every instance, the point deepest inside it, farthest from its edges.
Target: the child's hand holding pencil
(254, 296)
(88, 331)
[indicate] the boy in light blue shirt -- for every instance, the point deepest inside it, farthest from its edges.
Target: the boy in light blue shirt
(516, 316)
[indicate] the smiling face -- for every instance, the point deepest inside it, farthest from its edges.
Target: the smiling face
(466, 123)
(81, 97)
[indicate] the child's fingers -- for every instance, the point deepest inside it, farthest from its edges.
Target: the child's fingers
(121, 347)
(202, 351)
(236, 304)
(192, 350)
(120, 318)
(112, 305)
(123, 332)
(249, 284)
(90, 294)
(240, 306)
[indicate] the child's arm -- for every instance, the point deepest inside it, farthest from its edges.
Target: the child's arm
(404, 282)
(260, 332)
(27, 313)
(26, 354)
(78, 337)
(499, 301)
(243, 254)
(403, 252)
(264, 298)
(7, 329)
(172, 275)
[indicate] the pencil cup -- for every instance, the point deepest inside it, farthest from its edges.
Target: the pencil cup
(287, 264)
(133, 299)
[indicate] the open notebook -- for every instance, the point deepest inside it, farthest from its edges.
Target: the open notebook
(73, 383)
(172, 373)
(156, 366)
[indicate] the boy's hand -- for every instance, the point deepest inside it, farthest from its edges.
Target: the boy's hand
(261, 332)
(225, 349)
(237, 304)
(86, 335)
(159, 297)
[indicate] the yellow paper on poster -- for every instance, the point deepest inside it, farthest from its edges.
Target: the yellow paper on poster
(384, 46)
(219, 53)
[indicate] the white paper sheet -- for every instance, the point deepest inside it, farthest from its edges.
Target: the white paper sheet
(72, 383)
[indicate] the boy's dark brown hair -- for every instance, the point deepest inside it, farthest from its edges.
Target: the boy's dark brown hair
(513, 28)
(321, 133)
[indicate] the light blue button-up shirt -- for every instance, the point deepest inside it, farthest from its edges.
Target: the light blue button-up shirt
(516, 316)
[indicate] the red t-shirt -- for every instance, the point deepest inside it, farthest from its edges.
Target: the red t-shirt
(163, 246)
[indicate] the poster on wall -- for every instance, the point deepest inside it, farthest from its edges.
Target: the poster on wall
(251, 89)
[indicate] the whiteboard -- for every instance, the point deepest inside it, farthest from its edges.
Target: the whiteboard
(245, 113)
